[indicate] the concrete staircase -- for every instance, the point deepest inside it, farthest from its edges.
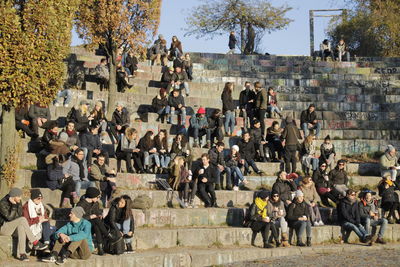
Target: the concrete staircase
(358, 106)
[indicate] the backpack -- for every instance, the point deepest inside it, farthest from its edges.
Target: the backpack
(115, 245)
(142, 202)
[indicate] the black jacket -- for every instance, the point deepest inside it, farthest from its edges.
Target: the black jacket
(256, 136)
(307, 117)
(325, 153)
(338, 176)
(284, 189)
(178, 63)
(9, 211)
(47, 137)
(247, 150)
(216, 158)
(297, 210)
(214, 123)
(91, 141)
(227, 102)
(348, 212)
(36, 111)
(144, 147)
(76, 116)
(291, 134)
(168, 77)
(90, 208)
(175, 101)
(232, 41)
(209, 173)
(121, 118)
(388, 194)
(244, 98)
(318, 178)
(159, 102)
(116, 215)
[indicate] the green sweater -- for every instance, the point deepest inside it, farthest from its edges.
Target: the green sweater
(77, 231)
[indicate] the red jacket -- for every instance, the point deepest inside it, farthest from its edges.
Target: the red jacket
(31, 221)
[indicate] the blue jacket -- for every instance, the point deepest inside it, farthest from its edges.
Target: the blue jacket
(77, 231)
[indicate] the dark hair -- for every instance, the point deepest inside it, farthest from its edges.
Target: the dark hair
(52, 124)
(101, 155)
(92, 127)
(221, 144)
(311, 106)
(325, 41)
(205, 155)
(257, 85)
(76, 152)
(184, 141)
(68, 122)
(103, 60)
(147, 139)
(215, 112)
(227, 88)
(274, 123)
(59, 159)
(128, 205)
(162, 143)
(255, 121)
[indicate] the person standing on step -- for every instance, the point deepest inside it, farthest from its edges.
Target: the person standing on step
(199, 128)
(120, 220)
(103, 74)
(349, 218)
(188, 66)
(370, 217)
(312, 199)
(339, 177)
(274, 141)
(291, 135)
(261, 220)
(328, 153)
(308, 121)
(161, 144)
(93, 213)
(147, 146)
(159, 104)
(120, 120)
(273, 103)
(128, 149)
(261, 104)
(277, 213)
(298, 216)
(206, 177)
(215, 124)
(73, 240)
(260, 144)
(248, 154)
(180, 180)
(217, 160)
(284, 188)
(176, 104)
(232, 43)
(247, 101)
(228, 108)
(388, 163)
(233, 172)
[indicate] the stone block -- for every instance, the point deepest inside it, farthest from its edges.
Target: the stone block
(203, 237)
(217, 216)
(6, 246)
(158, 217)
(148, 238)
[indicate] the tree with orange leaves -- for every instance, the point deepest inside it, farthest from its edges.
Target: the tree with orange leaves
(115, 25)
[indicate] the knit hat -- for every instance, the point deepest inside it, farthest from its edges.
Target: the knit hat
(63, 137)
(92, 192)
(78, 212)
(201, 110)
(299, 193)
(35, 193)
(390, 148)
(160, 36)
(15, 192)
(120, 103)
(263, 194)
(235, 147)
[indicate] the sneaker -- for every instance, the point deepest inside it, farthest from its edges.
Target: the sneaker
(56, 104)
(129, 249)
(66, 105)
(23, 257)
(321, 223)
(61, 260)
(40, 246)
(245, 181)
(235, 188)
(51, 259)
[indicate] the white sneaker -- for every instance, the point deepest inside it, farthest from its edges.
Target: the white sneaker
(321, 223)
(245, 181)
(57, 104)
(235, 188)
(66, 105)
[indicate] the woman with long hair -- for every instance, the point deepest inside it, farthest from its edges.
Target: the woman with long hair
(308, 155)
(180, 180)
(161, 142)
(148, 147)
(97, 117)
(228, 108)
(128, 149)
(176, 50)
(80, 115)
(120, 220)
(180, 147)
(328, 153)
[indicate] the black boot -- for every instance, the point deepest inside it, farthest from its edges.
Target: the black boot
(129, 248)
(253, 238)
(308, 243)
(300, 243)
(100, 249)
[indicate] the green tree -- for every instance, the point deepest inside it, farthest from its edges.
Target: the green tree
(250, 19)
(34, 40)
(115, 25)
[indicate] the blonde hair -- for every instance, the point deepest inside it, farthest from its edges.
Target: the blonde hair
(129, 132)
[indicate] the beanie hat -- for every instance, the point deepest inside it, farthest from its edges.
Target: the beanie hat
(78, 212)
(35, 193)
(15, 192)
(327, 137)
(299, 193)
(92, 192)
(235, 147)
(263, 194)
(390, 148)
(201, 110)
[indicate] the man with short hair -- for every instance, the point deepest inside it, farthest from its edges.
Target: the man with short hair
(349, 217)
(120, 120)
(91, 142)
(74, 239)
(168, 79)
(182, 80)
(176, 103)
(388, 163)
(248, 153)
(247, 99)
(206, 179)
(308, 121)
(259, 142)
(199, 127)
(218, 162)
(11, 220)
(284, 188)
(291, 135)
(103, 74)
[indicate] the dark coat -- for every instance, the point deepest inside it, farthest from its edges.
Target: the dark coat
(159, 102)
(169, 77)
(244, 98)
(291, 134)
(227, 102)
(90, 208)
(209, 173)
(256, 136)
(262, 99)
(307, 117)
(325, 153)
(388, 194)
(348, 212)
(284, 189)
(216, 158)
(91, 141)
(182, 76)
(121, 118)
(54, 175)
(214, 123)
(175, 101)
(36, 111)
(338, 176)
(232, 41)
(247, 150)
(116, 215)
(297, 210)
(76, 116)
(144, 147)
(9, 211)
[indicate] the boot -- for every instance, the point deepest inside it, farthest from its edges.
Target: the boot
(208, 145)
(308, 243)
(300, 243)
(100, 249)
(195, 144)
(285, 240)
(253, 238)
(217, 187)
(380, 241)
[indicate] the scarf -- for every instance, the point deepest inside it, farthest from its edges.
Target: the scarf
(389, 157)
(261, 205)
(327, 146)
(389, 182)
(70, 133)
(32, 209)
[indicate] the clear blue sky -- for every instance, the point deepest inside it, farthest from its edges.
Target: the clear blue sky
(292, 41)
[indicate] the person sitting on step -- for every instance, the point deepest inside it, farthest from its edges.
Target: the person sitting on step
(308, 121)
(232, 169)
(312, 199)
(274, 141)
(206, 177)
(160, 103)
(91, 144)
(161, 144)
(325, 187)
(73, 240)
(389, 163)
(389, 198)
(277, 213)
(147, 146)
(73, 140)
(120, 120)
(80, 116)
(284, 187)
(339, 177)
(273, 103)
(128, 149)
(168, 79)
(248, 153)
(199, 128)
(215, 124)
(39, 116)
(260, 220)
(176, 103)
(180, 147)
(328, 153)
(298, 216)
(309, 160)
(259, 142)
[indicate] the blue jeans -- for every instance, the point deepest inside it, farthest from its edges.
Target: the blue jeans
(184, 85)
(251, 163)
(237, 175)
(316, 127)
(148, 158)
(85, 184)
(300, 226)
(358, 229)
(368, 223)
(125, 228)
(229, 122)
(272, 109)
(164, 161)
(172, 111)
(47, 231)
(199, 133)
(66, 94)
